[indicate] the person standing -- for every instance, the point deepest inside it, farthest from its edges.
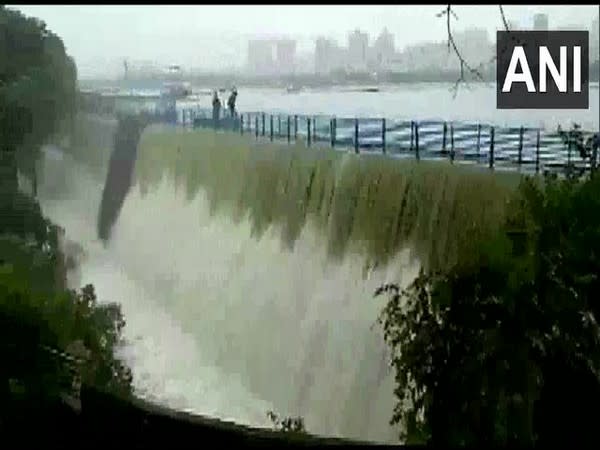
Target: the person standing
(216, 104)
(231, 102)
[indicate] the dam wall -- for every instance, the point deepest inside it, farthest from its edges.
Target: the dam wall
(246, 270)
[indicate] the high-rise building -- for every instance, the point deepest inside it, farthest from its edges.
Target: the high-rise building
(594, 41)
(328, 56)
(426, 56)
(474, 45)
(384, 49)
(305, 63)
(513, 25)
(358, 47)
(260, 57)
(322, 55)
(540, 22)
(286, 55)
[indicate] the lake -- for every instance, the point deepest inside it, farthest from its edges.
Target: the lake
(426, 101)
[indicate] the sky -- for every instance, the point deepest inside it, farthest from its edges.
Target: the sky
(214, 37)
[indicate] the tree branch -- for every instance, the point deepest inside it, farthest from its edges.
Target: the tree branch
(452, 46)
(504, 21)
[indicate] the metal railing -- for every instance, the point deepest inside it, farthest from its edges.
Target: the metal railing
(509, 148)
(524, 149)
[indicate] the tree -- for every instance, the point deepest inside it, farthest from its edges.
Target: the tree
(51, 340)
(504, 348)
(37, 91)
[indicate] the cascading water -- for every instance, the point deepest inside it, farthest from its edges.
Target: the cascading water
(223, 322)
(168, 364)
(295, 327)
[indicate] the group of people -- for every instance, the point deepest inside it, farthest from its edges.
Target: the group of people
(216, 104)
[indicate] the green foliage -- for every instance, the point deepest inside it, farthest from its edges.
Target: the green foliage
(287, 425)
(51, 340)
(21, 216)
(585, 144)
(37, 86)
(505, 348)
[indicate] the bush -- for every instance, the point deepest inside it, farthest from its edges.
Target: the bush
(50, 341)
(505, 349)
(288, 424)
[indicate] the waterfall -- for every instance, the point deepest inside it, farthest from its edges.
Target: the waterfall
(246, 276)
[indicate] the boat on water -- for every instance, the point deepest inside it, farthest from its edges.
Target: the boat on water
(361, 89)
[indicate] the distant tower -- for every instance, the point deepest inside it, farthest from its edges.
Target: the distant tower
(540, 22)
(125, 67)
(595, 40)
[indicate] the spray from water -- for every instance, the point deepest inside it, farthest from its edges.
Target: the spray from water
(222, 324)
(241, 271)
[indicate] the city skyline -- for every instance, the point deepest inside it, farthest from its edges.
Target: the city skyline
(365, 53)
(215, 38)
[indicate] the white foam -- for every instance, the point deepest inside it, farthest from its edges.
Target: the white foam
(222, 324)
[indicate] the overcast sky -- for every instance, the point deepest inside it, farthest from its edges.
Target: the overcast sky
(215, 37)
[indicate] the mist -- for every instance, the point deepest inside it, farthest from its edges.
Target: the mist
(214, 38)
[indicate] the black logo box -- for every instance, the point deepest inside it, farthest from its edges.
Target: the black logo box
(531, 41)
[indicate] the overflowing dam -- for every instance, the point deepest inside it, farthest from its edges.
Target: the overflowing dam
(246, 270)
